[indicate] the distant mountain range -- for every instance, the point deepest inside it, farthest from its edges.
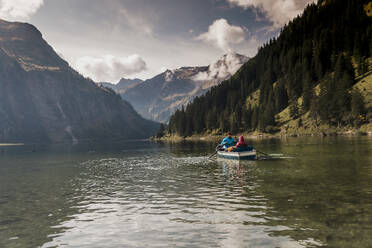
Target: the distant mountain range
(159, 97)
(42, 99)
(122, 85)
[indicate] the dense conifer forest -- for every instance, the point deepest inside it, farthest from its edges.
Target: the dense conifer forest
(310, 69)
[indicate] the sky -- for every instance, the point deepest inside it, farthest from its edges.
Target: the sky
(110, 39)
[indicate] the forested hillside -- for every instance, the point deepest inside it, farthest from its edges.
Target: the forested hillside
(309, 71)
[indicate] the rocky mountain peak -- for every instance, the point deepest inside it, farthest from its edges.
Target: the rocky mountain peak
(157, 98)
(24, 43)
(223, 68)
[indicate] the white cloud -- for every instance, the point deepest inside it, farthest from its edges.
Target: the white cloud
(19, 10)
(279, 12)
(222, 35)
(222, 69)
(109, 68)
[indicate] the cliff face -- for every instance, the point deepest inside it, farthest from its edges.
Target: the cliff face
(42, 99)
(159, 97)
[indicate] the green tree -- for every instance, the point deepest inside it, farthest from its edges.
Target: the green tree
(293, 109)
(254, 119)
(211, 120)
(358, 110)
(314, 107)
(308, 94)
(234, 126)
(344, 70)
(246, 117)
(161, 131)
(281, 97)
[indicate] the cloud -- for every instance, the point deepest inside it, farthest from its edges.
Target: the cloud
(109, 68)
(19, 10)
(279, 12)
(222, 69)
(222, 35)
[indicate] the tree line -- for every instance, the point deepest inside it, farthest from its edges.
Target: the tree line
(315, 50)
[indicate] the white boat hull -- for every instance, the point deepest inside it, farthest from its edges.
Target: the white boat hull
(246, 155)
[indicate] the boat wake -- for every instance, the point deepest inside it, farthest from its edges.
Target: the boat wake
(273, 156)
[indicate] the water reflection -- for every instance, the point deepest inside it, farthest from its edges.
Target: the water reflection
(172, 195)
(177, 201)
(236, 169)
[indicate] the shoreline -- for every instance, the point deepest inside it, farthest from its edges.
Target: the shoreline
(257, 135)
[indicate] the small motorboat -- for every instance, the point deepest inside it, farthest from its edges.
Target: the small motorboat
(240, 155)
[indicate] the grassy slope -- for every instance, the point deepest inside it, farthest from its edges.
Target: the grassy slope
(253, 99)
(309, 126)
(365, 87)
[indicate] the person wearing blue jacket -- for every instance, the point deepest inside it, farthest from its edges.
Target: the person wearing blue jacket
(228, 141)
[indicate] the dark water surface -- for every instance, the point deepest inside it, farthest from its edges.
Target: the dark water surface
(142, 194)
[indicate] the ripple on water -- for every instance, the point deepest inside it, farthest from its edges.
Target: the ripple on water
(156, 200)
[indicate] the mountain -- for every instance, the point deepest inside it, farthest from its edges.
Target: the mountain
(42, 99)
(314, 77)
(122, 85)
(159, 97)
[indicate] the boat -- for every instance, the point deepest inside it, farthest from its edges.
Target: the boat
(243, 155)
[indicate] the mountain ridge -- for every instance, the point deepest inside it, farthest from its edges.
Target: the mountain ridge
(122, 85)
(158, 97)
(44, 100)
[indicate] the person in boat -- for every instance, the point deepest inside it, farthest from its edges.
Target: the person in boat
(228, 141)
(240, 146)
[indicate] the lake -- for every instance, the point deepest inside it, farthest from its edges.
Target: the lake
(142, 194)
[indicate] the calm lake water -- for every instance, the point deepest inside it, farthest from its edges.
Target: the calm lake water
(141, 194)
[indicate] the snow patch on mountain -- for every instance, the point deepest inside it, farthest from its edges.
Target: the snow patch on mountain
(222, 69)
(169, 76)
(159, 97)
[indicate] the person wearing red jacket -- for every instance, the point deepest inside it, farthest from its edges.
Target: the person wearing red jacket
(241, 143)
(240, 146)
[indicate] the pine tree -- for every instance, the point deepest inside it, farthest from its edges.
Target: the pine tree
(234, 126)
(314, 107)
(293, 109)
(362, 66)
(307, 94)
(357, 107)
(269, 117)
(246, 117)
(254, 119)
(211, 120)
(344, 68)
(281, 97)
(161, 131)
(238, 112)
